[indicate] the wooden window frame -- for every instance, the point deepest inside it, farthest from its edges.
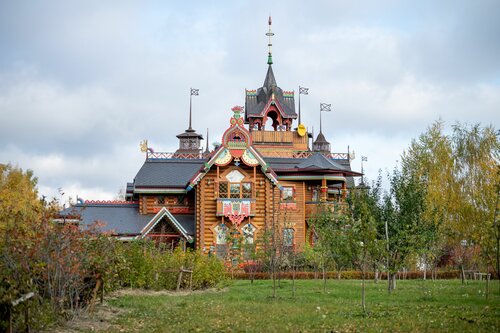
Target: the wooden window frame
(248, 179)
(294, 195)
(227, 194)
(289, 247)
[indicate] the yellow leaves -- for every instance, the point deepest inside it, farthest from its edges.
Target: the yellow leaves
(19, 204)
(461, 175)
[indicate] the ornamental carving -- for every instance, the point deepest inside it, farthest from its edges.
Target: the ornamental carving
(237, 138)
(236, 211)
(249, 159)
(224, 158)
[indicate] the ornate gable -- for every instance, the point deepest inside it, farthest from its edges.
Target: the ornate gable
(236, 147)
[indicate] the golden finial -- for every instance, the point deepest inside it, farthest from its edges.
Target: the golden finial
(144, 145)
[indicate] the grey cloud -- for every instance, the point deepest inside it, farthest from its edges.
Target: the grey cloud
(83, 83)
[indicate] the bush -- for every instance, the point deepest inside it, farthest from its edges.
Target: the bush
(145, 265)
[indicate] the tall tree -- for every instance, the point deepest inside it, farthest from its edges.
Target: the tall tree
(430, 159)
(477, 156)
(365, 238)
(460, 173)
(404, 208)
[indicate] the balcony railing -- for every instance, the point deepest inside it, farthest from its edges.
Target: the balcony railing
(314, 209)
(244, 207)
(165, 155)
(277, 137)
(267, 153)
(304, 154)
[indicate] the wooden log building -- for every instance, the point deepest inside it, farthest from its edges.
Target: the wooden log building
(259, 179)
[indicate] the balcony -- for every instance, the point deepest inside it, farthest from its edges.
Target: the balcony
(235, 207)
(316, 208)
(283, 139)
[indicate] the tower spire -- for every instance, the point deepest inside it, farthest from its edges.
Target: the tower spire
(207, 150)
(270, 34)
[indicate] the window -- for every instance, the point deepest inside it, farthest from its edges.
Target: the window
(248, 231)
(315, 194)
(221, 234)
(160, 200)
(246, 190)
(235, 190)
(288, 194)
(288, 235)
(223, 187)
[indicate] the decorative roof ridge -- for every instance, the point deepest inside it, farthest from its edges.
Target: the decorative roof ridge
(108, 202)
(152, 156)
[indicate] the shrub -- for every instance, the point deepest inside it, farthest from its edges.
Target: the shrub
(145, 265)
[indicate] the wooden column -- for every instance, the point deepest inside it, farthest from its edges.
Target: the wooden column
(202, 214)
(303, 217)
(324, 190)
(344, 190)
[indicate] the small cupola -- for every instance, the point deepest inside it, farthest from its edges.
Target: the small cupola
(190, 141)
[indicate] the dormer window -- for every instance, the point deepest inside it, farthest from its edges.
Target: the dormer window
(234, 187)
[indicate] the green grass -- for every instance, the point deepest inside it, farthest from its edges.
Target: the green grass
(420, 306)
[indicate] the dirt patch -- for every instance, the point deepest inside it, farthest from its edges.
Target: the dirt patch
(100, 320)
(104, 314)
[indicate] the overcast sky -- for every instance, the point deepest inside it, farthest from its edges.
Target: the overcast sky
(82, 83)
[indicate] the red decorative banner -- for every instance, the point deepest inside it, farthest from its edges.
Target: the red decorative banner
(236, 211)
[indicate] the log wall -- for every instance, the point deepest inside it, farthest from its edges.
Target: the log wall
(148, 203)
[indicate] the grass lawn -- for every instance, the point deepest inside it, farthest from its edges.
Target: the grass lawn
(416, 305)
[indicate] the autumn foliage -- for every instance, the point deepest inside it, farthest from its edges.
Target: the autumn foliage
(63, 264)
